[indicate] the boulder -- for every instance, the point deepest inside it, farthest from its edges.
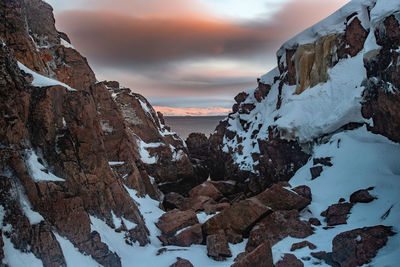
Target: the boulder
(325, 256)
(173, 201)
(276, 227)
(240, 217)
(279, 198)
(227, 188)
(357, 247)
(303, 191)
(190, 235)
(289, 260)
(361, 196)
(205, 189)
(315, 172)
(182, 263)
(303, 244)
(260, 256)
(172, 221)
(213, 208)
(314, 221)
(217, 247)
(337, 213)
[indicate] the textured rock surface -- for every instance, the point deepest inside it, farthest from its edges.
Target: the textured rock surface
(276, 227)
(182, 263)
(289, 260)
(261, 256)
(359, 246)
(217, 247)
(337, 213)
(172, 221)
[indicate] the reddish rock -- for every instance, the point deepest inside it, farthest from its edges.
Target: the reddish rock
(227, 188)
(357, 247)
(260, 256)
(239, 98)
(276, 227)
(262, 91)
(315, 172)
(240, 217)
(279, 198)
(172, 221)
(182, 263)
(173, 201)
(198, 203)
(217, 247)
(303, 244)
(303, 191)
(361, 196)
(189, 236)
(213, 208)
(314, 221)
(355, 36)
(289, 260)
(337, 213)
(327, 257)
(205, 189)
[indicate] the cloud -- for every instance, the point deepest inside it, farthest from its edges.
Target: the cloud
(191, 111)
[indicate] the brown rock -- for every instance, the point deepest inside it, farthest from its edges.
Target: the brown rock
(361, 196)
(174, 220)
(240, 217)
(182, 263)
(276, 227)
(315, 172)
(189, 236)
(173, 201)
(337, 213)
(213, 208)
(355, 36)
(327, 257)
(357, 247)
(303, 244)
(205, 189)
(217, 247)
(289, 260)
(303, 191)
(314, 221)
(260, 256)
(279, 198)
(227, 188)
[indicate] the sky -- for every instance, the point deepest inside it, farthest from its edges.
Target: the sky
(187, 57)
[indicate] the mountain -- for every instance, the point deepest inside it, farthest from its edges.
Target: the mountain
(304, 171)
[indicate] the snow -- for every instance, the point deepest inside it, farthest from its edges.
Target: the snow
(144, 154)
(72, 255)
(146, 256)
(39, 172)
(16, 258)
(42, 81)
(33, 216)
(361, 160)
(115, 163)
(203, 217)
(66, 44)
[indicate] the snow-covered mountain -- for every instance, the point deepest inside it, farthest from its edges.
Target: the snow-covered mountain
(304, 171)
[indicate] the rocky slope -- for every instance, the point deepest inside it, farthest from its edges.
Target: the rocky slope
(71, 147)
(304, 170)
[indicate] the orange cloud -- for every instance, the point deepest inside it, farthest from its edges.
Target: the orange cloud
(190, 111)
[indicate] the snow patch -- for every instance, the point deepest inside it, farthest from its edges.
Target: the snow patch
(39, 172)
(66, 44)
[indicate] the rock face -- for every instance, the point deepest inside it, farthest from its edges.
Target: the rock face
(94, 143)
(359, 246)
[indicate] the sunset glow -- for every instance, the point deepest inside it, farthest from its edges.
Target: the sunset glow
(185, 56)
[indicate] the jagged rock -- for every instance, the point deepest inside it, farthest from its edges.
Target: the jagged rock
(205, 189)
(278, 198)
(213, 208)
(227, 188)
(198, 203)
(174, 220)
(240, 217)
(182, 263)
(314, 221)
(276, 227)
(315, 172)
(327, 257)
(337, 213)
(323, 161)
(357, 247)
(303, 191)
(260, 256)
(197, 144)
(217, 247)
(289, 260)
(303, 244)
(173, 201)
(361, 196)
(189, 236)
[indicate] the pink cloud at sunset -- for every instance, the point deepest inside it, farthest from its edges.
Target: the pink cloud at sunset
(190, 111)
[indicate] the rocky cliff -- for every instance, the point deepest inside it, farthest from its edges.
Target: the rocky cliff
(71, 147)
